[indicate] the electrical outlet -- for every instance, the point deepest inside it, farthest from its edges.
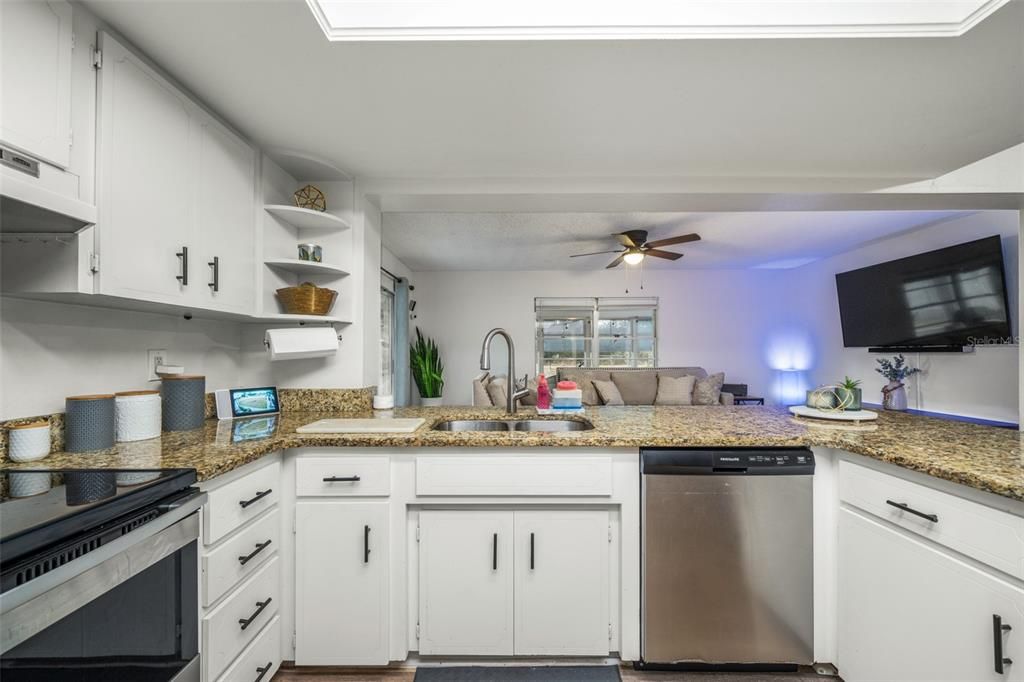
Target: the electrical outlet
(154, 358)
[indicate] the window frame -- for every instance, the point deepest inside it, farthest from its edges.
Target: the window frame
(590, 310)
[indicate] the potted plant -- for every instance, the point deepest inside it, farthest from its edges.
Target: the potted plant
(849, 394)
(427, 370)
(894, 394)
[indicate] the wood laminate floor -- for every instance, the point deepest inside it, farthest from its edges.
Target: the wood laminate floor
(628, 675)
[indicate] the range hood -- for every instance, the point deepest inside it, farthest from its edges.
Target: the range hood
(27, 207)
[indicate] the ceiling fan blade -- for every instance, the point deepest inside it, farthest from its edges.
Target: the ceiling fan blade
(595, 253)
(658, 253)
(681, 239)
(615, 262)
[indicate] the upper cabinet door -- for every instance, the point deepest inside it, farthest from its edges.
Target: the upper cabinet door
(147, 150)
(561, 583)
(35, 102)
(227, 221)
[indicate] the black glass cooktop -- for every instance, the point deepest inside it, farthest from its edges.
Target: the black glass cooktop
(39, 508)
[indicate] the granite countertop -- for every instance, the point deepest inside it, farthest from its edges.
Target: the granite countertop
(982, 457)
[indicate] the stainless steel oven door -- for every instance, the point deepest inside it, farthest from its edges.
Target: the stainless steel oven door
(125, 611)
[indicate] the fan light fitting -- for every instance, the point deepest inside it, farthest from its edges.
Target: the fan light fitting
(633, 257)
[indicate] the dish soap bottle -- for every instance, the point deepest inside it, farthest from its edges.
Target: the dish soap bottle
(543, 393)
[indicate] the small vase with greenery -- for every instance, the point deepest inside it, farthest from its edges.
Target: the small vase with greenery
(849, 394)
(894, 394)
(427, 369)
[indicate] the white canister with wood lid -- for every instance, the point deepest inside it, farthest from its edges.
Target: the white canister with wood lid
(137, 415)
(28, 442)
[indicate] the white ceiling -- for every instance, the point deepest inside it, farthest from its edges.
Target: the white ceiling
(902, 108)
(544, 241)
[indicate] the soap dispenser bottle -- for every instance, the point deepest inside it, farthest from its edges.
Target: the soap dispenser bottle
(543, 393)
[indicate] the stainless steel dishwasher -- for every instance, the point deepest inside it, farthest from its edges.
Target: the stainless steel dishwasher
(727, 559)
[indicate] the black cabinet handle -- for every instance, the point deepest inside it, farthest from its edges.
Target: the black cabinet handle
(215, 264)
(260, 605)
(998, 629)
(494, 553)
(259, 496)
(333, 479)
(910, 510)
(260, 546)
(531, 551)
(263, 671)
(183, 255)
(366, 544)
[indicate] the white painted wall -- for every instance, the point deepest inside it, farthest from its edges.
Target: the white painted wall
(49, 351)
(716, 319)
(980, 384)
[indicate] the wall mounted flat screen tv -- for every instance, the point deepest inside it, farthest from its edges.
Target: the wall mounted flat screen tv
(949, 297)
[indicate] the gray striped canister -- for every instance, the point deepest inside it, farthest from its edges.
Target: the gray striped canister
(88, 423)
(184, 402)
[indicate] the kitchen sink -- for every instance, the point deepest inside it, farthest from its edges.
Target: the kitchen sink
(548, 425)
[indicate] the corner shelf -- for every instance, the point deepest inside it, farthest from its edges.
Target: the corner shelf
(307, 219)
(305, 267)
(284, 318)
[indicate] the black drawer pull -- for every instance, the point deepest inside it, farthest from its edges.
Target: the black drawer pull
(494, 554)
(260, 546)
(998, 629)
(260, 605)
(910, 510)
(183, 255)
(259, 496)
(335, 479)
(366, 544)
(531, 551)
(263, 671)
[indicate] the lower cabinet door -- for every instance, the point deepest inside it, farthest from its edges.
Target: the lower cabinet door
(909, 611)
(341, 583)
(466, 567)
(561, 583)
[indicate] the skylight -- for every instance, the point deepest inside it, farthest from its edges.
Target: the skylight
(391, 20)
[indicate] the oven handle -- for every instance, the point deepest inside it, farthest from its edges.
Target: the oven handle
(32, 607)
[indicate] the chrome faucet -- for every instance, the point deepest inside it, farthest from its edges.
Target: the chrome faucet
(513, 393)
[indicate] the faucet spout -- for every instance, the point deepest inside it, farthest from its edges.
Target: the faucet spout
(512, 394)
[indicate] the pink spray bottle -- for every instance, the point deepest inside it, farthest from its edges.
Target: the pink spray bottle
(543, 393)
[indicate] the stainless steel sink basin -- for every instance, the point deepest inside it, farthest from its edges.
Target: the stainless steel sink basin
(555, 425)
(472, 425)
(549, 425)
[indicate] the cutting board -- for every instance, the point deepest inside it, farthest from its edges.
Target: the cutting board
(362, 426)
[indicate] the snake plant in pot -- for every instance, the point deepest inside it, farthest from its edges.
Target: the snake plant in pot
(427, 369)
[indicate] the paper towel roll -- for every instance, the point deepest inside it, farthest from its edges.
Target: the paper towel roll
(302, 342)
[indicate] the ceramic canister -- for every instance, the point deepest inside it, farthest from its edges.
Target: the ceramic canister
(28, 442)
(184, 402)
(28, 484)
(138, 415)
(89, 423)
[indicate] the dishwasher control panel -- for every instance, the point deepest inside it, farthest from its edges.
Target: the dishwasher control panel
(725, 461)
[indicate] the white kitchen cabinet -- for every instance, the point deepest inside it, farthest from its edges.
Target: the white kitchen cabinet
(561, 583)
(908, 610)
(177, 194)
(538, 580)
(341, 583)
(466, 595)
(226, 220)
(36, 41)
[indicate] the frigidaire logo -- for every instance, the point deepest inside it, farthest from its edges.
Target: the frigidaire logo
(730, 459)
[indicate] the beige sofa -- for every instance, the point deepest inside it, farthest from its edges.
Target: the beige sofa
(638, 385)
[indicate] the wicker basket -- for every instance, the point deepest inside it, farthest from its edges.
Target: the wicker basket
(307, 299)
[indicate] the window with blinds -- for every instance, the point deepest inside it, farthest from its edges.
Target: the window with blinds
(589, 332)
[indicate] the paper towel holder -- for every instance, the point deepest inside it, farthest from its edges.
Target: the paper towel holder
(266, 343)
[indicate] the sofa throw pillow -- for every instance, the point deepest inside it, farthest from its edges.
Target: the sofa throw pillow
(530, 398)
(675, 390)
(707, 390)
(480, 396)
(637, 388)
(496, 389)
(608, 392)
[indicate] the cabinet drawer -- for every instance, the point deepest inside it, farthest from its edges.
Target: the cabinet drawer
(512, 476)
(259, 660)
(988, 535)
(372, 476)
(234, 503)
(240, 555)
(223, 633)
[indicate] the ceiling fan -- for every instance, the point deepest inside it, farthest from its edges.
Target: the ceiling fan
(637, 247)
